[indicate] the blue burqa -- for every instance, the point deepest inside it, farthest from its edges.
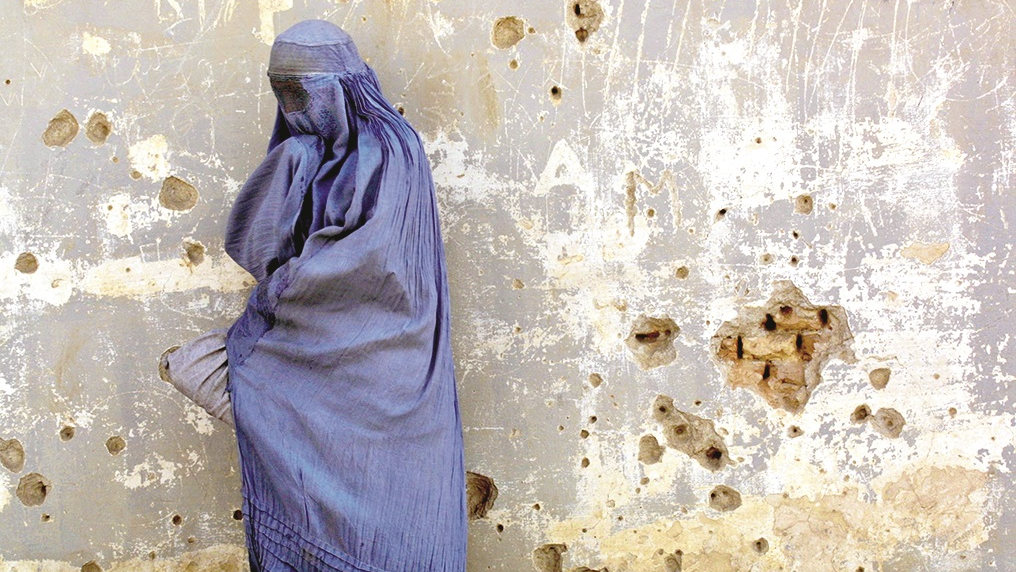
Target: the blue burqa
(340, 370)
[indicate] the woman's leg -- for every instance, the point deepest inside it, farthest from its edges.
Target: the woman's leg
(198, 369)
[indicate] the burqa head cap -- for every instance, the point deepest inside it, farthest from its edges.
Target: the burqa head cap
(313, 47)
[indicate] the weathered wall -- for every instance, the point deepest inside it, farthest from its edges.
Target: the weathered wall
(745, 208)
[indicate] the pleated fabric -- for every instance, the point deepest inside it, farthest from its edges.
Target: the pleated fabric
(340, 369)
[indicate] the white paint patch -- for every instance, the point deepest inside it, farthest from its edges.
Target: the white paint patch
(123, 214)
(149, 157)
(154, 470)
(267, 10)
(5, 496)
(135, 278)
(95, 45)
(199, 419)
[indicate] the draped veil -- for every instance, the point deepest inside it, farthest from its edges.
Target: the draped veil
(340, 368)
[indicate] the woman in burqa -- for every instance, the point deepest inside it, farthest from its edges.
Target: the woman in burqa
(338, 376)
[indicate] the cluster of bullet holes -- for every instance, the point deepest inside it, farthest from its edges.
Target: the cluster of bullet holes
(651, 341)
(686, 433)
(63, 128)
(778, 350)
(886, 421)
(584, 17)
(481, 492)
(176, 194)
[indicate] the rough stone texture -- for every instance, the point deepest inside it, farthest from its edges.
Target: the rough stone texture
(658, 158)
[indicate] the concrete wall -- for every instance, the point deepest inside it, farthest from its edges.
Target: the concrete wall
(756, 210)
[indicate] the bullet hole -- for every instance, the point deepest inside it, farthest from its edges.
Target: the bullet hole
(560, 427)
(682, 272)
(177, 194)
(499, 527)
(45, 517)
(517, 284)
(151, 555)
(584, 17)
(766, 258)
(555, 95)
(237, 514)
(673, 562)
(888, 422)
(861, 414)
(795, 234)
(401, 110)
(721, 213)
(481, 492)
(61, 129)
(513, 64)
(7, 82)
(595, 379)
(650, 212)
(584, 434)
(26, 263)
(650, 450)
(191, 540)
(193, 252)
(651, 341)
(879, 378)
(794, 431)
(177, 520)
(793, 261)
(724, 498)
(592, 419)
(115, 445)
(761, 545)
(12, 455)
(547, 558)
(536, 506)
(115, 159)
(803, 204)
(135, 174)
(952, 412)
(832, 206)
(97, 128)
(585, 462)
(778, 350)
(33, 488)
(690, 434)
(91, 566)
(507, 32)
(66, 433)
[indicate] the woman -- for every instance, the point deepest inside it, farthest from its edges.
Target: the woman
(338, 376)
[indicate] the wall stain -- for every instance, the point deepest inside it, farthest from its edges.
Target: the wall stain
(778, 350)
(61, 130)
